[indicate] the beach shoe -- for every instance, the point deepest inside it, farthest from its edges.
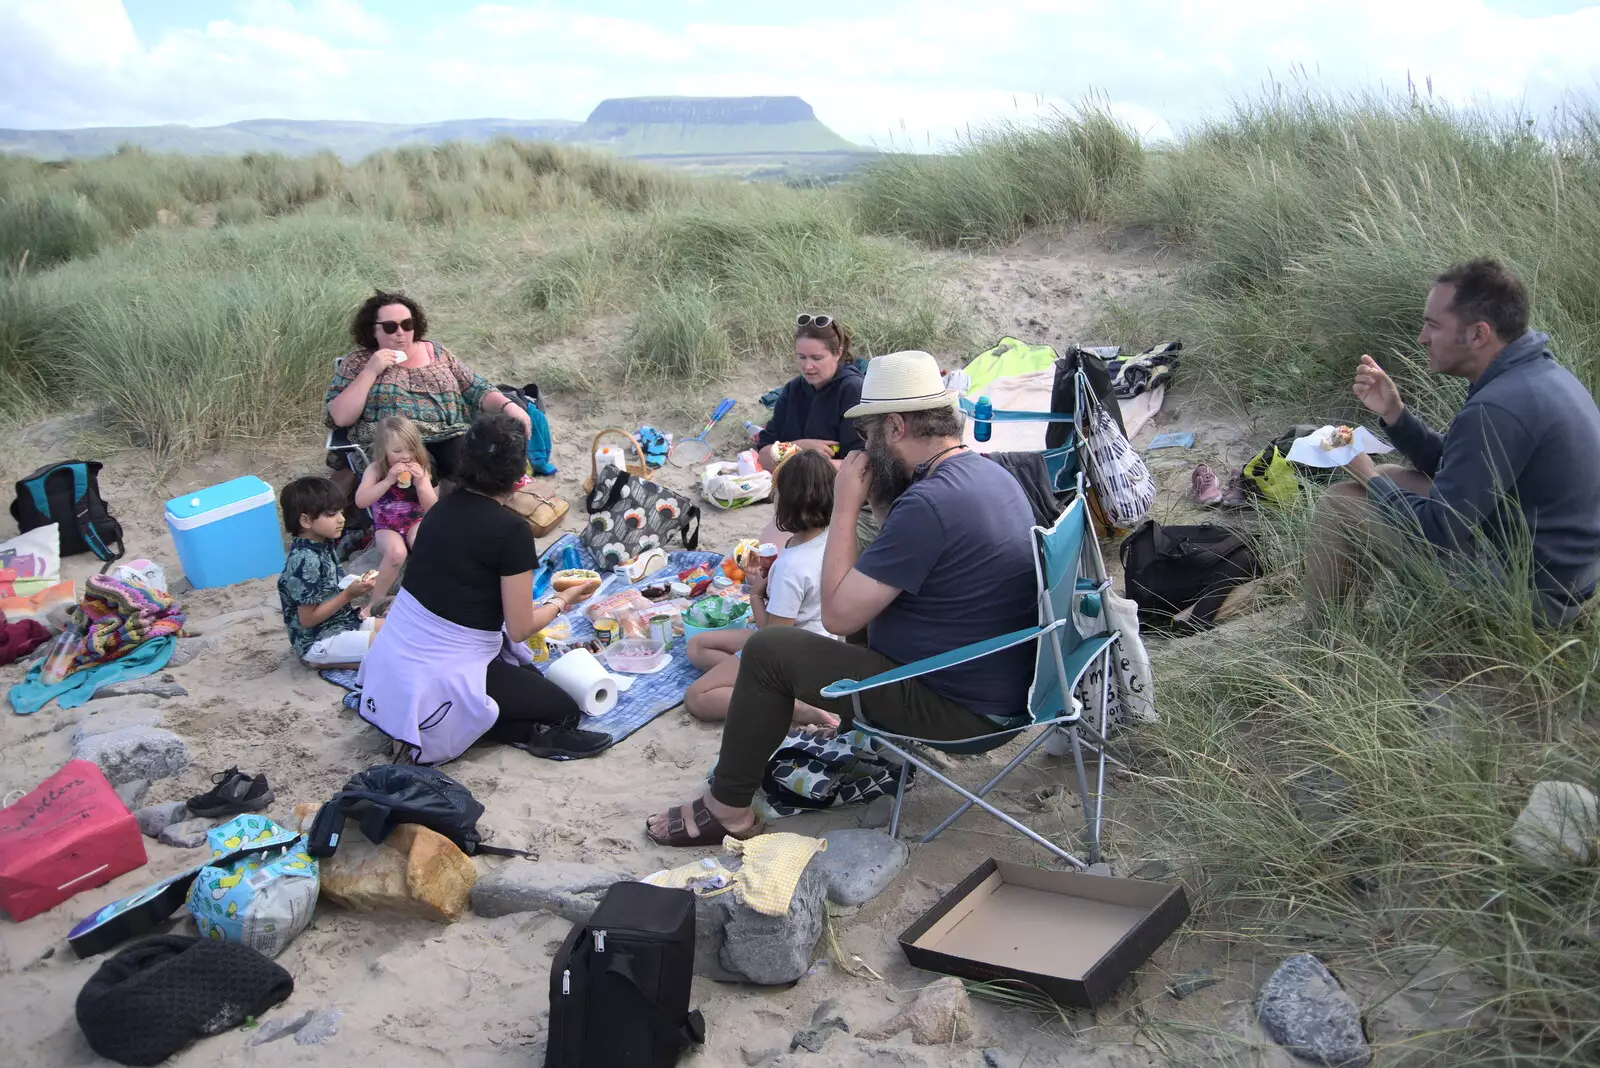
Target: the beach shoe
(234, 793)
(565, 743)
(1207, 489)
(1235, 495)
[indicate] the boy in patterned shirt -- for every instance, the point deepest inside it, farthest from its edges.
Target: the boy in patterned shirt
(324, 627)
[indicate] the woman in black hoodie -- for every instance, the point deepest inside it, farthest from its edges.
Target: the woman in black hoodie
(810, 410)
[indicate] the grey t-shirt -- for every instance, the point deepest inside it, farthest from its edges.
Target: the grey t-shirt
(957, 545)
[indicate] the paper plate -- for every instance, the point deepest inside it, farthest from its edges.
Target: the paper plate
(1309, 451)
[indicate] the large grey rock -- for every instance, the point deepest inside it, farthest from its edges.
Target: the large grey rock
(115, 719)
(134, 753)
(133, 792)
(735, 944)
(858, 865)
(104, 706)
(1558, 826)
(569, 890)
(153, 819)
(1306, 1011)
(189, 834)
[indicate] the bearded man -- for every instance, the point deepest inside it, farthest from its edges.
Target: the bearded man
(952, 564)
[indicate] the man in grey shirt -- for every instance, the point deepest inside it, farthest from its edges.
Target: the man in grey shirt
(952, 565)
(1519, 467)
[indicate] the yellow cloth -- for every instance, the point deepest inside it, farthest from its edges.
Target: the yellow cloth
(773, 864)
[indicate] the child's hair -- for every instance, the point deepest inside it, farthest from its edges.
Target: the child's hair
(310, 496)
(804, 487)
(397, 430)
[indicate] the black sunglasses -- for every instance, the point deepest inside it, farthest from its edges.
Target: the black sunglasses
(821, 322)
(391, 326)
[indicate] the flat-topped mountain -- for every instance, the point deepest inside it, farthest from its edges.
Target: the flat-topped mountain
(665, 126)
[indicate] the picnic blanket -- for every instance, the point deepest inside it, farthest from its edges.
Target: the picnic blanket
(647, 698)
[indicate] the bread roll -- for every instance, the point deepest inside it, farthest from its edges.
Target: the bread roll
(566, 580)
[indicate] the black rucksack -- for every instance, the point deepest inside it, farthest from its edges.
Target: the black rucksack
(68, 494)
(390, 794)
(619, 984)
(1064, 392)
(1168, 569)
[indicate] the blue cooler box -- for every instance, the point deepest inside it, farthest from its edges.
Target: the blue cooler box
(227, 533)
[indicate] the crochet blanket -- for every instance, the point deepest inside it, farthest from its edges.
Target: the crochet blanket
(121, 616)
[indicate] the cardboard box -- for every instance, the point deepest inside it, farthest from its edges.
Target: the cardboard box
(70, 834)
(1075, 937)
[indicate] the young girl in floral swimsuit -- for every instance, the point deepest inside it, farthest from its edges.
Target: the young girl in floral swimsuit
(398, 487)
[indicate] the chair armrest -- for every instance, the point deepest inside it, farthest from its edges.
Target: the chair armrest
(928, 665)
(970, 410)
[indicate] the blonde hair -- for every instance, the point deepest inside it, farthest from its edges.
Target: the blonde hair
(396, 431)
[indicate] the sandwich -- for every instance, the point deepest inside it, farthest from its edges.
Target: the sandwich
(1338, 438)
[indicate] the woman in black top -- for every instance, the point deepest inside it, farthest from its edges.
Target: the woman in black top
(472, 567)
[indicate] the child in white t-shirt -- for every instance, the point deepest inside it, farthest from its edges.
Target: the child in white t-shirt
(790, 595)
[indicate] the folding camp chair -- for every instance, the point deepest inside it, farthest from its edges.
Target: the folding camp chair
(1072, 636)
(355, 457)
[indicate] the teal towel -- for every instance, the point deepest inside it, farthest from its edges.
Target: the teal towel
(539, 443)
(30, 695)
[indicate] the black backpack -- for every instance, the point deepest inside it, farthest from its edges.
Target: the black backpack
(68, 494)
(1168, 569)
(619, 984)
(1064, 392)
(390, 794)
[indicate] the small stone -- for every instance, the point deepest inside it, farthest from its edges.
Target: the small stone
(1558, 826)
(186, 835)
(858, 865)
(813, 1038)
(133, 792)
(1192, 983)
(1099, 867)
(1153, 870)
(189, 648)
(134, 753)
(941, 1014)
(153, 819)
(283, 1027)
(162, 687)
(571, 891)
(1305, 1010)
(878, 813)
(321, 1027)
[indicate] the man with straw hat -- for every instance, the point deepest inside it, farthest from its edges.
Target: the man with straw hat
(952, 565)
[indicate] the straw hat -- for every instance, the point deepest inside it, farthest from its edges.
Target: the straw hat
(902, 382)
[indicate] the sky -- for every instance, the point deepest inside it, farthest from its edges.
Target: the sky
(906, 73)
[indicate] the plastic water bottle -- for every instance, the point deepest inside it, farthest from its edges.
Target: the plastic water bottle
(753, 429)
(64, 648)
(981, 426)
(570, 561)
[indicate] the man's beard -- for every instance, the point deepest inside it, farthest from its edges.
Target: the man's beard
(889, 476)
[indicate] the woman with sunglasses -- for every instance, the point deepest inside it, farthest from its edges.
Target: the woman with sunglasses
(394, 370)
(810, 410)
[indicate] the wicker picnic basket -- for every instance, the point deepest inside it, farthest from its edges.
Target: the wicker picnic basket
(634, 467)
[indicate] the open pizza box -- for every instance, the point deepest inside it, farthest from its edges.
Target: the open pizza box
(1074, 937)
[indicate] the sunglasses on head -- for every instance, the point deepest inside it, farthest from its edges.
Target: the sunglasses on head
(390, 326)
(821, 322)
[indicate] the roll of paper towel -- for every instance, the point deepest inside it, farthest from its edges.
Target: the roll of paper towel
(586, 680)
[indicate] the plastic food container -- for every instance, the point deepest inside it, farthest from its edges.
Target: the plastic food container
(635, 655)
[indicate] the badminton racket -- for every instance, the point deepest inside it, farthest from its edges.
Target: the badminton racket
(691, 452)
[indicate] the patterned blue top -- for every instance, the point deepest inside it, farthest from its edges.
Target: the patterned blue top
(310, 577)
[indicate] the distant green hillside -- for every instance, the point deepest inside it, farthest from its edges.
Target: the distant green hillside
(349, 140)
(663, 128)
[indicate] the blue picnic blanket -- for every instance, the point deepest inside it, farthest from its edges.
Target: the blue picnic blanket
(650, 695)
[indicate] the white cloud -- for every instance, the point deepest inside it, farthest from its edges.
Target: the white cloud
(914, 71)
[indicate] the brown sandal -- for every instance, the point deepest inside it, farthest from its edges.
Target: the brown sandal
(708, 830)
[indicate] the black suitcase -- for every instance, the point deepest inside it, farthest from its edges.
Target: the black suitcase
(1168, 569)
(619, 984)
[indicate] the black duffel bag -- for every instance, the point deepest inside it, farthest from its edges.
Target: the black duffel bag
(1169, 569)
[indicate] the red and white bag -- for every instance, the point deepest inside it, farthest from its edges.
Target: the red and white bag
(72, 833)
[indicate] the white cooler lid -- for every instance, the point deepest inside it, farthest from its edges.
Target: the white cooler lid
(215, 503)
